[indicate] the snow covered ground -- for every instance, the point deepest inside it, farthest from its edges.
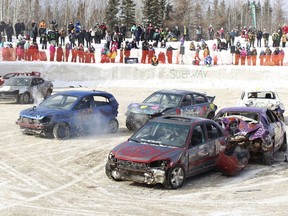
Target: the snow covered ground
(41, 176)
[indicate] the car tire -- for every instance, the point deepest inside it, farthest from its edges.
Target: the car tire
(61, 131)
(268, 157)
(108, 172)
(113, 126)
(48, 93)
(129, 125)
(211, 115)
(284, 144)
(175, 177)
(25, 98)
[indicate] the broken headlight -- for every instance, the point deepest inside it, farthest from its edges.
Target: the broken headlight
(161, 164)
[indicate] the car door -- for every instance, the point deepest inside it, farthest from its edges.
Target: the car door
(82, 117)
(202, 105)
(103, 110)
(200, 150)
(276, 126)
(187, 106)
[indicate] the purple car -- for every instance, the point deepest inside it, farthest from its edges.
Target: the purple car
(257, 129)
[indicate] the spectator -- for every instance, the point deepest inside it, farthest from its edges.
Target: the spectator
(259, 35)
(52, 50)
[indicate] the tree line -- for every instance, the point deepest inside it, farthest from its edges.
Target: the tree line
(161, 13)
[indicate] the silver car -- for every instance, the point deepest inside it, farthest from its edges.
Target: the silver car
(24, 89)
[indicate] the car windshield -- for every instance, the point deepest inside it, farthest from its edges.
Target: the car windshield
(166, 134)
(18, 81)
(167, 100)
(58, 101)
(251, 115)
(262, 95)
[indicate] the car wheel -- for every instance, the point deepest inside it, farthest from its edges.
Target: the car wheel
(129, 125)
(268, 157)
(108, 172)
(25, 98)
(175, 177)
(113, 126)
(61, 131)
(211, 115)
(284, 144)
(48, 93)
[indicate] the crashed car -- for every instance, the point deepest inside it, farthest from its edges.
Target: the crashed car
(263, 98)
(71, 113)
(167, 150)
(170, 102)
(25, 89)
(257, 129)
(13, 74)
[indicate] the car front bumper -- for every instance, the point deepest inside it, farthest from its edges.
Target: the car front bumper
(136, 174)
(9, 96)
(33, 127)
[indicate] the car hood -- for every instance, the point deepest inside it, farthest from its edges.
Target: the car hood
(268, 103)
(144, 153)
(146, 108)
(12, 88)
(40, 112)
(243, 126)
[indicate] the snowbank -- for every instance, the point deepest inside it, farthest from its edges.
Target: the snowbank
(139, 75)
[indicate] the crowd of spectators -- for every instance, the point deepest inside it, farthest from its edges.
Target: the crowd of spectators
(75, 43)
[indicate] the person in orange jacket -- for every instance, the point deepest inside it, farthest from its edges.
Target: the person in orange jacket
(254, 56)
(237, 55)
(281, 57)
(59, 54)
(87, 57)
(74, 53)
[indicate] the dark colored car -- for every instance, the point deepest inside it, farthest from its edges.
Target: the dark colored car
(167, 150)
(257, 129)
(25, 89)
(71, 112)
(15, 74)
(170, 102)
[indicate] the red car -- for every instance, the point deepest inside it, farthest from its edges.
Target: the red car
(9, 75)
(167, 150)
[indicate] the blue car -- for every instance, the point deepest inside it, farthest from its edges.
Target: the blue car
(71, 113)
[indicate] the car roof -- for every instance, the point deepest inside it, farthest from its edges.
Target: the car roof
(244, 109)
(259, 90)
(177, 91)
(180, 120)
(83, 93)
(26, 77)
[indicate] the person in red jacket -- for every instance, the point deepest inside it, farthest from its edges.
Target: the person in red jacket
(52, 50)
(169, 54)
(59, 54)
(161, 58)
(81, 53)
(74, 53)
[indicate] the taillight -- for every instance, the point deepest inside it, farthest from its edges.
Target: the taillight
(178, 111)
